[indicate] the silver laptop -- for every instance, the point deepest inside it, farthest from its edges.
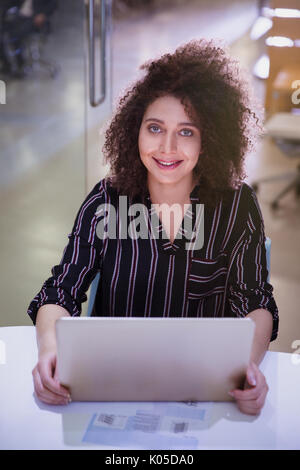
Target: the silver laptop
(153, 359)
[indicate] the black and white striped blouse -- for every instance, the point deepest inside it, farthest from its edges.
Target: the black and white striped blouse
(150, 276)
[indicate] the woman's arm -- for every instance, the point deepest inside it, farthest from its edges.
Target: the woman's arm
(250, 295)
(45, 326)
(252, 398)
(65, 291)
(263, 331)
(79, 265)
(45, 378)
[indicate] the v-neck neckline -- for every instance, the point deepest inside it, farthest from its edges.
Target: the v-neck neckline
(163, 241)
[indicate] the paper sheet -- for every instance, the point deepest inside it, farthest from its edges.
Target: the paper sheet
(148, 425)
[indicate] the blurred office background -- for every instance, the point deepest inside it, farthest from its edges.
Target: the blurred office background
(56, 101)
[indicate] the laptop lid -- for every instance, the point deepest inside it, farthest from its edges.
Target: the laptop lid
(153, 359)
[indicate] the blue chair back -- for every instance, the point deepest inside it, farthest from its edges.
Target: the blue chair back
(268, 253)
(92, 296)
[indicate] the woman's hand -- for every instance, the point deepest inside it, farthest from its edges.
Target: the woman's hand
(46, 382)
(251, 400)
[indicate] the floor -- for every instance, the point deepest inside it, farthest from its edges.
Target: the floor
(43, 141)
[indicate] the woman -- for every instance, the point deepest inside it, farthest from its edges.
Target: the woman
(178, 139)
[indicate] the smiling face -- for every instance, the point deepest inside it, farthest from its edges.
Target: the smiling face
(169, 143)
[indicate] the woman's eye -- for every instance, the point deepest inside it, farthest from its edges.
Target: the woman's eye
(186, 132)
(154, 129)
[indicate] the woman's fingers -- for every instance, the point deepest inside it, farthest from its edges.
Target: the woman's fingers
(46, 383)
(252, 398)
(250, 394)
(47, 371)
(252, 407)
(248, 410)
(44, 394)
(252, 374)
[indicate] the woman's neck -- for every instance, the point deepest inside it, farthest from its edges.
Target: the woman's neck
(175, 196)
(170, 194)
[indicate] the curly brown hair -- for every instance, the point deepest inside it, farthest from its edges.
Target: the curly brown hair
(208, 84)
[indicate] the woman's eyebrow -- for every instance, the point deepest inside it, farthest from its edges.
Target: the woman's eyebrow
(179, 124)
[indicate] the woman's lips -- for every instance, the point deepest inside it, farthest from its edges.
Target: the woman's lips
(167, 165)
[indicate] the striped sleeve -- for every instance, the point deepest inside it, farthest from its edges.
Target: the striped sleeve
(80, 262)
(249, 288)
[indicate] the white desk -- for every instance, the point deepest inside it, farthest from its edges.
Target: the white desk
(26, 423)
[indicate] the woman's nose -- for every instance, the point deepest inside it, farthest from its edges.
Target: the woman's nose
(168, 143)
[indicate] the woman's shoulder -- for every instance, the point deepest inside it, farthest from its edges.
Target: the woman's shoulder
(247, 190)
(101, 193)
(241, 211)
(103, 190)
(249, 213)
(248, 199)
(242, 198)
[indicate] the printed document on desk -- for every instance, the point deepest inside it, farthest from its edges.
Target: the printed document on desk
(162, 425)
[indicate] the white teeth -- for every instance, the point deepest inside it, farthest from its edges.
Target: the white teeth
(166, 164)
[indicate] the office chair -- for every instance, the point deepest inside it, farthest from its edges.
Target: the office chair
(95, 282)
(35, 45)
(284, 129)
(31, 49)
